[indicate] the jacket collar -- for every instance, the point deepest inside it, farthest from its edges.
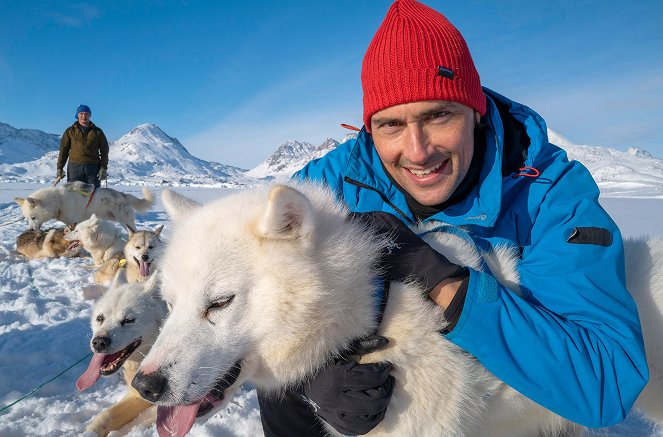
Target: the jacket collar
(480, 207)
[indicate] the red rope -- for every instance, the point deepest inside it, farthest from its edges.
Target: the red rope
(527, 172)
(90, 199)
(348, 126)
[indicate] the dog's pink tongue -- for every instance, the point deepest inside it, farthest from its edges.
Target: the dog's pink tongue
(92, 373)
(143, 269)
(176, 421)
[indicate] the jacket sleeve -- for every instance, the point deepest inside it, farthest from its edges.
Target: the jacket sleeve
(571, 339)
(65, 146)
(103, 149)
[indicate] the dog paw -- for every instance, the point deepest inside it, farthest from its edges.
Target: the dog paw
(95, 430)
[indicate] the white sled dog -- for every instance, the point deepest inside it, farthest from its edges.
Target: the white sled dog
(101, 238)
(140, 257)
(71, 204)
(125, 322)
(269, 284)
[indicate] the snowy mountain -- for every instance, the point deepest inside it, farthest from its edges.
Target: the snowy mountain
(634, 173)
(20, 145)
(146, 155)
(290, 157)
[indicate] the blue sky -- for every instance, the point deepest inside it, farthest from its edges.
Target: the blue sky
(234, 80)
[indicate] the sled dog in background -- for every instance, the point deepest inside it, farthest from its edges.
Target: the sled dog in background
(50, 243)
(244, 296)
(74, 202)
(140, 257)
(125, 322)
(101, 238)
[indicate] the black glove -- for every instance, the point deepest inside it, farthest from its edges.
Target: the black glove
(349, 396)
(409, 257)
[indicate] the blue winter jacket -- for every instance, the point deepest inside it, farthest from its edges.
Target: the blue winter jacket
(572, 342)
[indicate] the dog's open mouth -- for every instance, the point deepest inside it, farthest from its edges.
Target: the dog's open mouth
(176, 421)
(143, 267)
(74, 245)
(105, 364)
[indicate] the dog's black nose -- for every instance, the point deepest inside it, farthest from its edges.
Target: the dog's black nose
(144, 257)
(100, 344)
(150, 386)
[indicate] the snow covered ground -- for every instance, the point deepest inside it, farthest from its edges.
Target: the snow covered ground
(44, 329)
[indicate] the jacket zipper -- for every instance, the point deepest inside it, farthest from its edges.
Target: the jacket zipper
(382, 196)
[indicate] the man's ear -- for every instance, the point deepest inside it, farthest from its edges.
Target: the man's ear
(177, 206)
(288, 215)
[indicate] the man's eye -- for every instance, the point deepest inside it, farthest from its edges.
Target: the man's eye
(438, 115)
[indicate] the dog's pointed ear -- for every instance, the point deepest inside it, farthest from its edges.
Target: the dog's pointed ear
(120, 278)
(30, 200)
(288, 215)
(130, 231)
(158, 230)
(177, 206)
(19, 200)
(94, 218)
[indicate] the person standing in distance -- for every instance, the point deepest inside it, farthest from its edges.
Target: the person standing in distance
(86, 147)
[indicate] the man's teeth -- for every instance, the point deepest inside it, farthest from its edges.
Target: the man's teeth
(425, 171)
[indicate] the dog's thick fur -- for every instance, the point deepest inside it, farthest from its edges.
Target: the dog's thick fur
(67, 204)
(125, 314)
(279, 281)
(140, 255)
(50, 243)
(101, 238)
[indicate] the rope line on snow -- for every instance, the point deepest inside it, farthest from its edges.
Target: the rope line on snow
(31, 278)
(11, 223)
(43, 384)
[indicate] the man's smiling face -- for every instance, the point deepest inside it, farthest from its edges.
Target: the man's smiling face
(426, 146)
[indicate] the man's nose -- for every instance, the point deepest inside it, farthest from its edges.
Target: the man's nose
(416, 147)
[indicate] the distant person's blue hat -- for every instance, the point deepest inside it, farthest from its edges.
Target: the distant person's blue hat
(82, 108)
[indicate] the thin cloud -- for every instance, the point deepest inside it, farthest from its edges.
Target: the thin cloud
(607, 111)
(254, 129)
(76, 16)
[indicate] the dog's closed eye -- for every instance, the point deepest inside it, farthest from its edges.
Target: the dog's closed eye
(218, 305)
(127, 320)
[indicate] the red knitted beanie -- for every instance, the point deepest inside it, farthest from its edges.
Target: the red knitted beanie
(417, 54)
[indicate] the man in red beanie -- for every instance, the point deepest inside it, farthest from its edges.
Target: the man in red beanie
(438, 146)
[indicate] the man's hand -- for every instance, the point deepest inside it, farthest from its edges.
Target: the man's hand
(59, 174)
(352, 397)
(409, 257)
(103, 174)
